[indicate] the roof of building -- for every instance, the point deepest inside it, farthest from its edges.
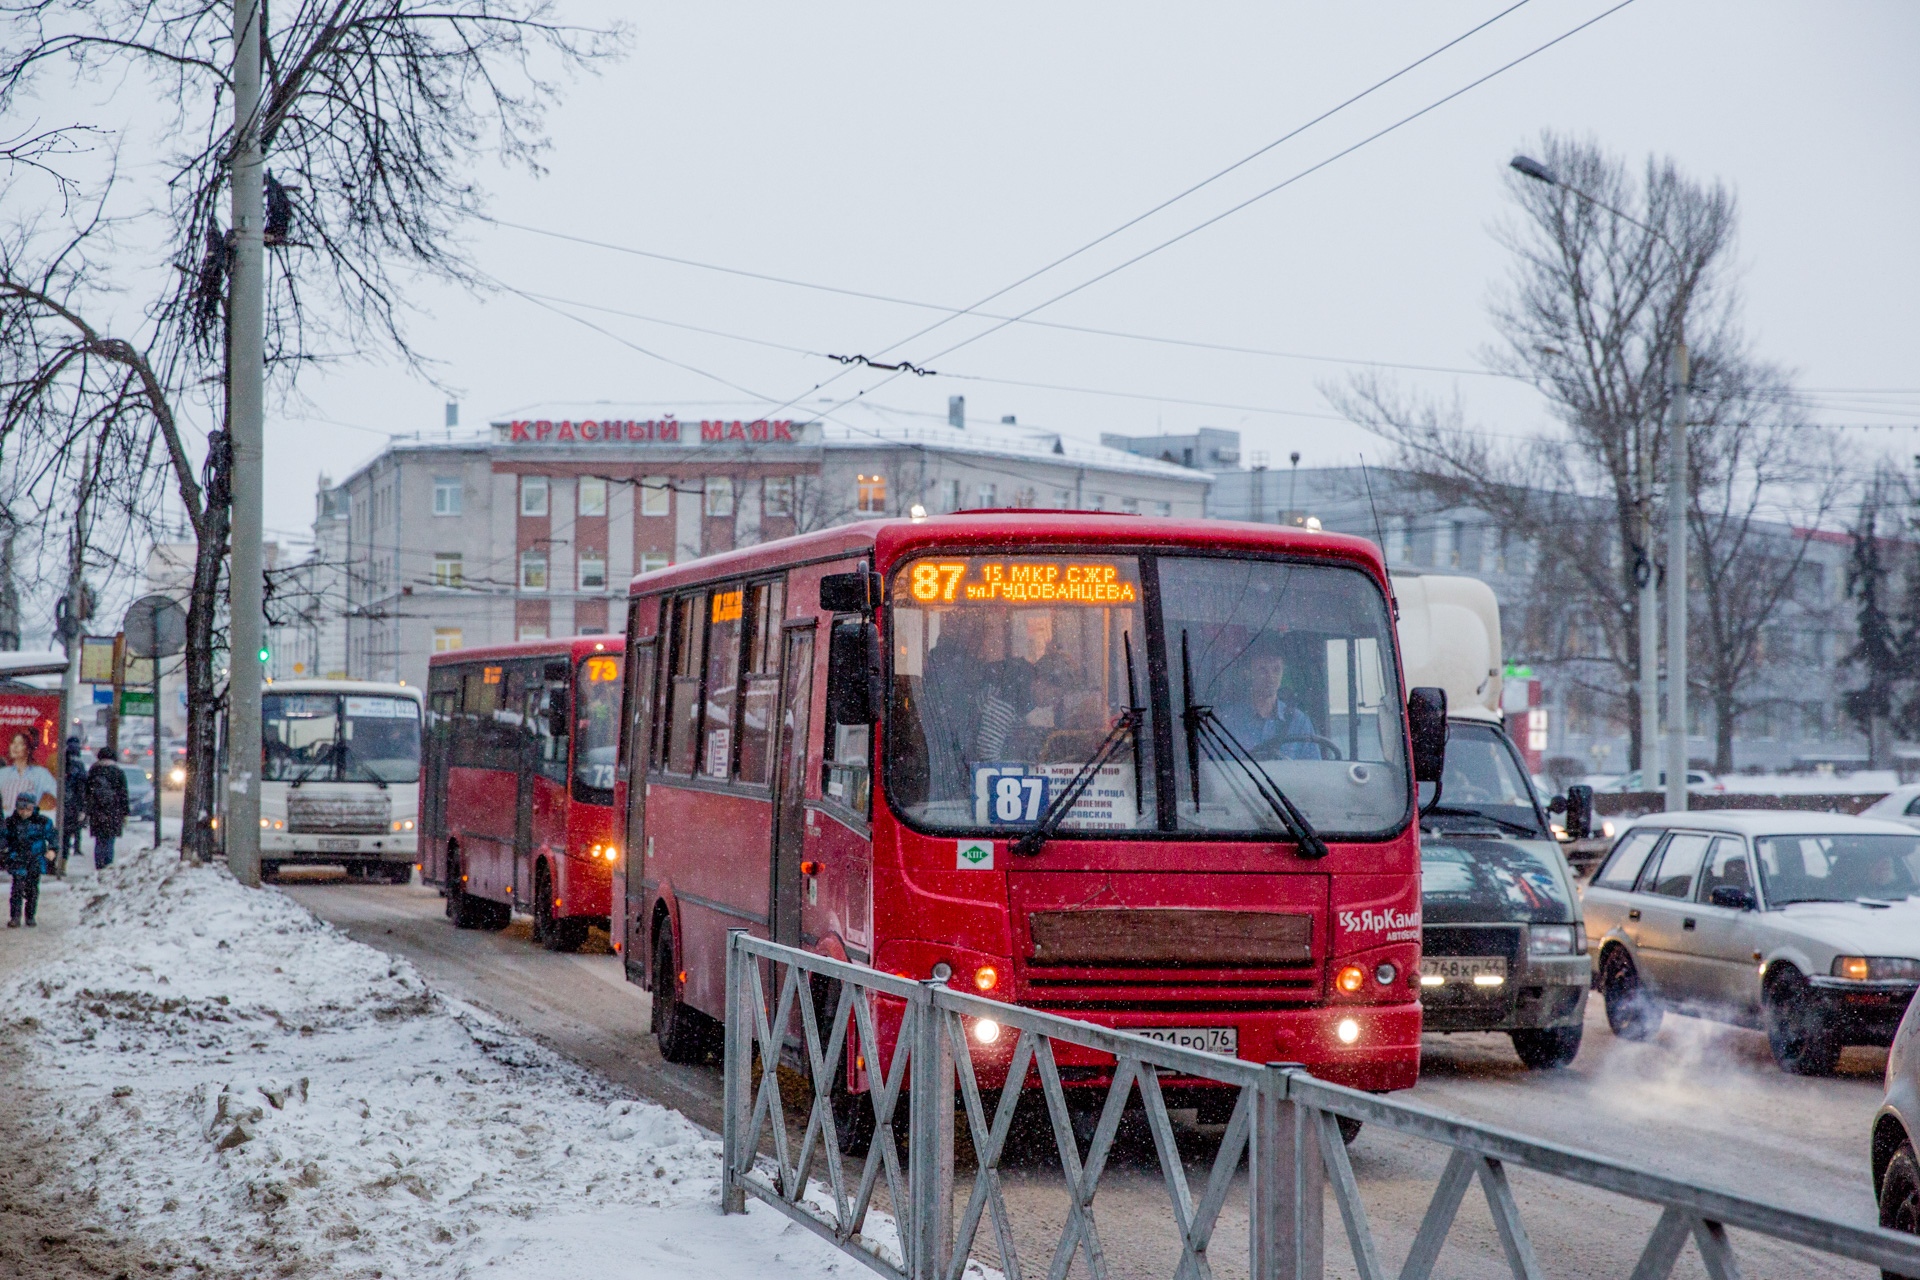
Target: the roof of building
(874, 426)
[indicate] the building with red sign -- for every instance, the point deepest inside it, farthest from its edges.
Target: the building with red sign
(535, 529)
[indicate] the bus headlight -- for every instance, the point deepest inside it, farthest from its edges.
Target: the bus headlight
(403, 824)
(1348, 1030)
(986, 1030)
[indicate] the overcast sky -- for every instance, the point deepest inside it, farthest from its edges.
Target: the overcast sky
(938, 153)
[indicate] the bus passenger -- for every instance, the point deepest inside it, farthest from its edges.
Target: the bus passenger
(1264, 721)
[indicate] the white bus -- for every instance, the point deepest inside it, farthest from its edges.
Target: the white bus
(340, 779)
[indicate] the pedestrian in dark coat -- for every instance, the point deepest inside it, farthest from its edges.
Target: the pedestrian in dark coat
(73, 816)
(31, 840)
(106, 806)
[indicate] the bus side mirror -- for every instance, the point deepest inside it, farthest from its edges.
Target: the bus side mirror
(1578, 807)
(556, 713)
(1427, 726)
(854, 687)
(855, 592)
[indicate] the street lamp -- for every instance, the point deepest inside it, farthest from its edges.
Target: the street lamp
(1677, 374)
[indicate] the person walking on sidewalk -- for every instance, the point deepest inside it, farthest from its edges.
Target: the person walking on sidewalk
(74, 815)
(106, 806)
(31, 840)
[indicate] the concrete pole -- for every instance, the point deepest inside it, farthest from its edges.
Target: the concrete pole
(246, 314)
(1677, 582)
(1649, 628)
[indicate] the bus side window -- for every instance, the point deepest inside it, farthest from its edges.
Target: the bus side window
(847, 775)
(686, 660)
(723, 681)
(479, 695)
(760, 695)
(543, 696)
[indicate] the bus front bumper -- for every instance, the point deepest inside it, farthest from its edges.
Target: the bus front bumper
(1383, 1053)
(302, 846)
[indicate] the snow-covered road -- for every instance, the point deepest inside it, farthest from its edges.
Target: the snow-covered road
(246, 1091)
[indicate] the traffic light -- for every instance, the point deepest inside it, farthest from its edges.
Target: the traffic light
(266, 654)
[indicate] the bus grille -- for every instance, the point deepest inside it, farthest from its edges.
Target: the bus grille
(338, 815)
(1142, 958)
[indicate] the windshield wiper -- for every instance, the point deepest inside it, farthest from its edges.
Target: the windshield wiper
(1461, 811)
(1127, 726)
(372, 777)
(1203, 726)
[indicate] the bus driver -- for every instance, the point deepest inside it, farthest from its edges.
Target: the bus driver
(1264, 715)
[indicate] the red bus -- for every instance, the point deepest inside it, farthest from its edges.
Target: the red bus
(1154, 774)
(517, 784)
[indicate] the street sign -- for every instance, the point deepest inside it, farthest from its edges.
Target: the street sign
(156, 627)
(96, 659)
(136, 702)
(137, 671)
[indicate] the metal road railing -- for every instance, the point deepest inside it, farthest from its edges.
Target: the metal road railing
(1284, 1129)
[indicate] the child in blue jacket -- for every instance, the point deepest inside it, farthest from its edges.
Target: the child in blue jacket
(31, 840)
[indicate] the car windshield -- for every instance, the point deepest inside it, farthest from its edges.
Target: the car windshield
(1838, 868)
(1012, 672)
(596, 731)
(326, 737)
(1483, 776)
(1466, 879)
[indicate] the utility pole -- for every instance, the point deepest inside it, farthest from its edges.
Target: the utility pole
(1677, 576)
(246, 388)
(1649, 622)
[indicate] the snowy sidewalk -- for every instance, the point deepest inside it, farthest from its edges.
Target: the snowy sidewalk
(249, 1092)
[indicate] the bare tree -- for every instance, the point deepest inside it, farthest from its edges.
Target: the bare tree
(1588, 318)
(376, 114)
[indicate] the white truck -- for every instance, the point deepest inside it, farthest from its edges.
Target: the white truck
(1503, 942)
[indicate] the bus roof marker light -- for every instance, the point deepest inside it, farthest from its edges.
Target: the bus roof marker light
(1348, 1030)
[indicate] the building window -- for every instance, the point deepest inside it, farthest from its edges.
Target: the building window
(950, 495)
(593, 496)
(1097, 502)
(533, 631)
(656, 496)
(1027, 497)
(653, 561)
(776, 495)
(1163, 508)
(448, 569)
(593, 571)
(1130, 505)
(986, 496)
(446, 639)
(1063, 499)
(1457, 544)
(719, 495)
(533, 495)
(533, 571)
(870, 495)
(446, 495)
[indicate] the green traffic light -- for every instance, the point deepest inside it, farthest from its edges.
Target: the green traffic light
(265, 653)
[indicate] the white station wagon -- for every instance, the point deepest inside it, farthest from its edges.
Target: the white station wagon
(1804, 925)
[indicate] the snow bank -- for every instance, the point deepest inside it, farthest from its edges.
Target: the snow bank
(248, 1091)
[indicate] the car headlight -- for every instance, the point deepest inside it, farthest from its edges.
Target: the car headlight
(1876, 968)
(403, 824)
(1553, 940)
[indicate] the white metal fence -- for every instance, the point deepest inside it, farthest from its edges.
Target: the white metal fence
(1284, 1131)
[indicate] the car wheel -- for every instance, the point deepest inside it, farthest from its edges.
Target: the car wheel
(1900, 1198)
(1545, 1048)
(1631, 1012)
(1797, 1030)
(852, 1112)
(1349, 1129)
(562, 934)
(268, 870)
(681, 1032)
(400, 874)
(465, 910)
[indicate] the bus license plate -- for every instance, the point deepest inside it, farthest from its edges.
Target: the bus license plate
(1221, 1040)
(335, 844)
(1463, 969)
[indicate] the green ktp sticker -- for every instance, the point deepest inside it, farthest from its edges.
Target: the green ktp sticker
(973, 855)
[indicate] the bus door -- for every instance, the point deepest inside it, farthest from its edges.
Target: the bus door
(443, 705)
(632, 868)
(790, 781)
(533, 705)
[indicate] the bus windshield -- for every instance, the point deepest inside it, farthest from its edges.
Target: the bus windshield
(327, 737)
(596, 736)
(1012, 673)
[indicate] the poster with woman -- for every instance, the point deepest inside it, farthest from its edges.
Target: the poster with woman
(30, 728)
